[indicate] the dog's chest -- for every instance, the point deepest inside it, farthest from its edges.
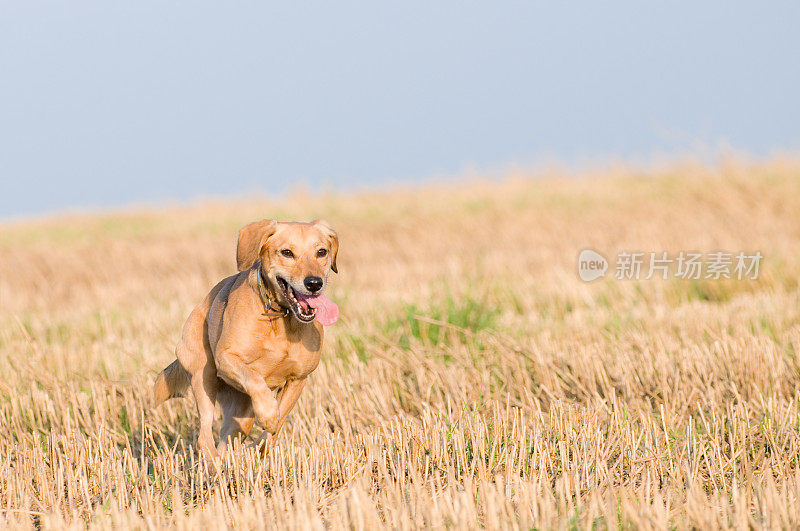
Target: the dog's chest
(299, 362)
(289, 357)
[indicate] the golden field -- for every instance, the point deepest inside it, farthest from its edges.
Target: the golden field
(473, 380)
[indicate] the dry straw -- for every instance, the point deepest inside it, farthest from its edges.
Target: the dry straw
(473, 380)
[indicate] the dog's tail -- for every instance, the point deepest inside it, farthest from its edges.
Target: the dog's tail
(171, 382)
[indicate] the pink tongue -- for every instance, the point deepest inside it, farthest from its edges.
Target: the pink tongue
(327, 311)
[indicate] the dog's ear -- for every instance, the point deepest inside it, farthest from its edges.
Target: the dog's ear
(334, 237)
(251, 240)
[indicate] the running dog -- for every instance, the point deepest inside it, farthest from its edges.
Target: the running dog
(255, 338)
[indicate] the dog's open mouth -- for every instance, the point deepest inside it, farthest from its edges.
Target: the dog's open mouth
(308, 307)
(298, 303)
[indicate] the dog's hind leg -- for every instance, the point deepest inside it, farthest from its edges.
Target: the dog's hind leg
(204, 385)
(237, 415)
(195, 356)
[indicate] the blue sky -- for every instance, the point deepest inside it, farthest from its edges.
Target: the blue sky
(109, 103)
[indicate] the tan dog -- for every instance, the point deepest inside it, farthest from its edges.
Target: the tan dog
(257, 331)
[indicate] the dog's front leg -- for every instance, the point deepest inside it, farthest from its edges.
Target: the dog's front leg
(239, 375)
(289, 395)
(287, 398)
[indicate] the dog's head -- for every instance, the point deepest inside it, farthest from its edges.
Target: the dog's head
(296, 258)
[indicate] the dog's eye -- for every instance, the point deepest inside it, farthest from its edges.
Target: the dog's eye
(322, 252)
(287, 253)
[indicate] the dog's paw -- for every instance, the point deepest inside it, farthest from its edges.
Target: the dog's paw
(264, 443)
(268, 418)
(207, 448)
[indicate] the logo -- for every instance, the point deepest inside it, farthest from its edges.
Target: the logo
(591, 265)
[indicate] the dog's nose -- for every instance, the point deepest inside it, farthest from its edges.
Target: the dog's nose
(313, 284)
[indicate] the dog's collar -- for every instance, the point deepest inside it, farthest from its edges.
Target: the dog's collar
(269, 311)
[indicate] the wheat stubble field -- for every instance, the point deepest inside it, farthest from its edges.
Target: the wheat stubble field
(472, 381)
